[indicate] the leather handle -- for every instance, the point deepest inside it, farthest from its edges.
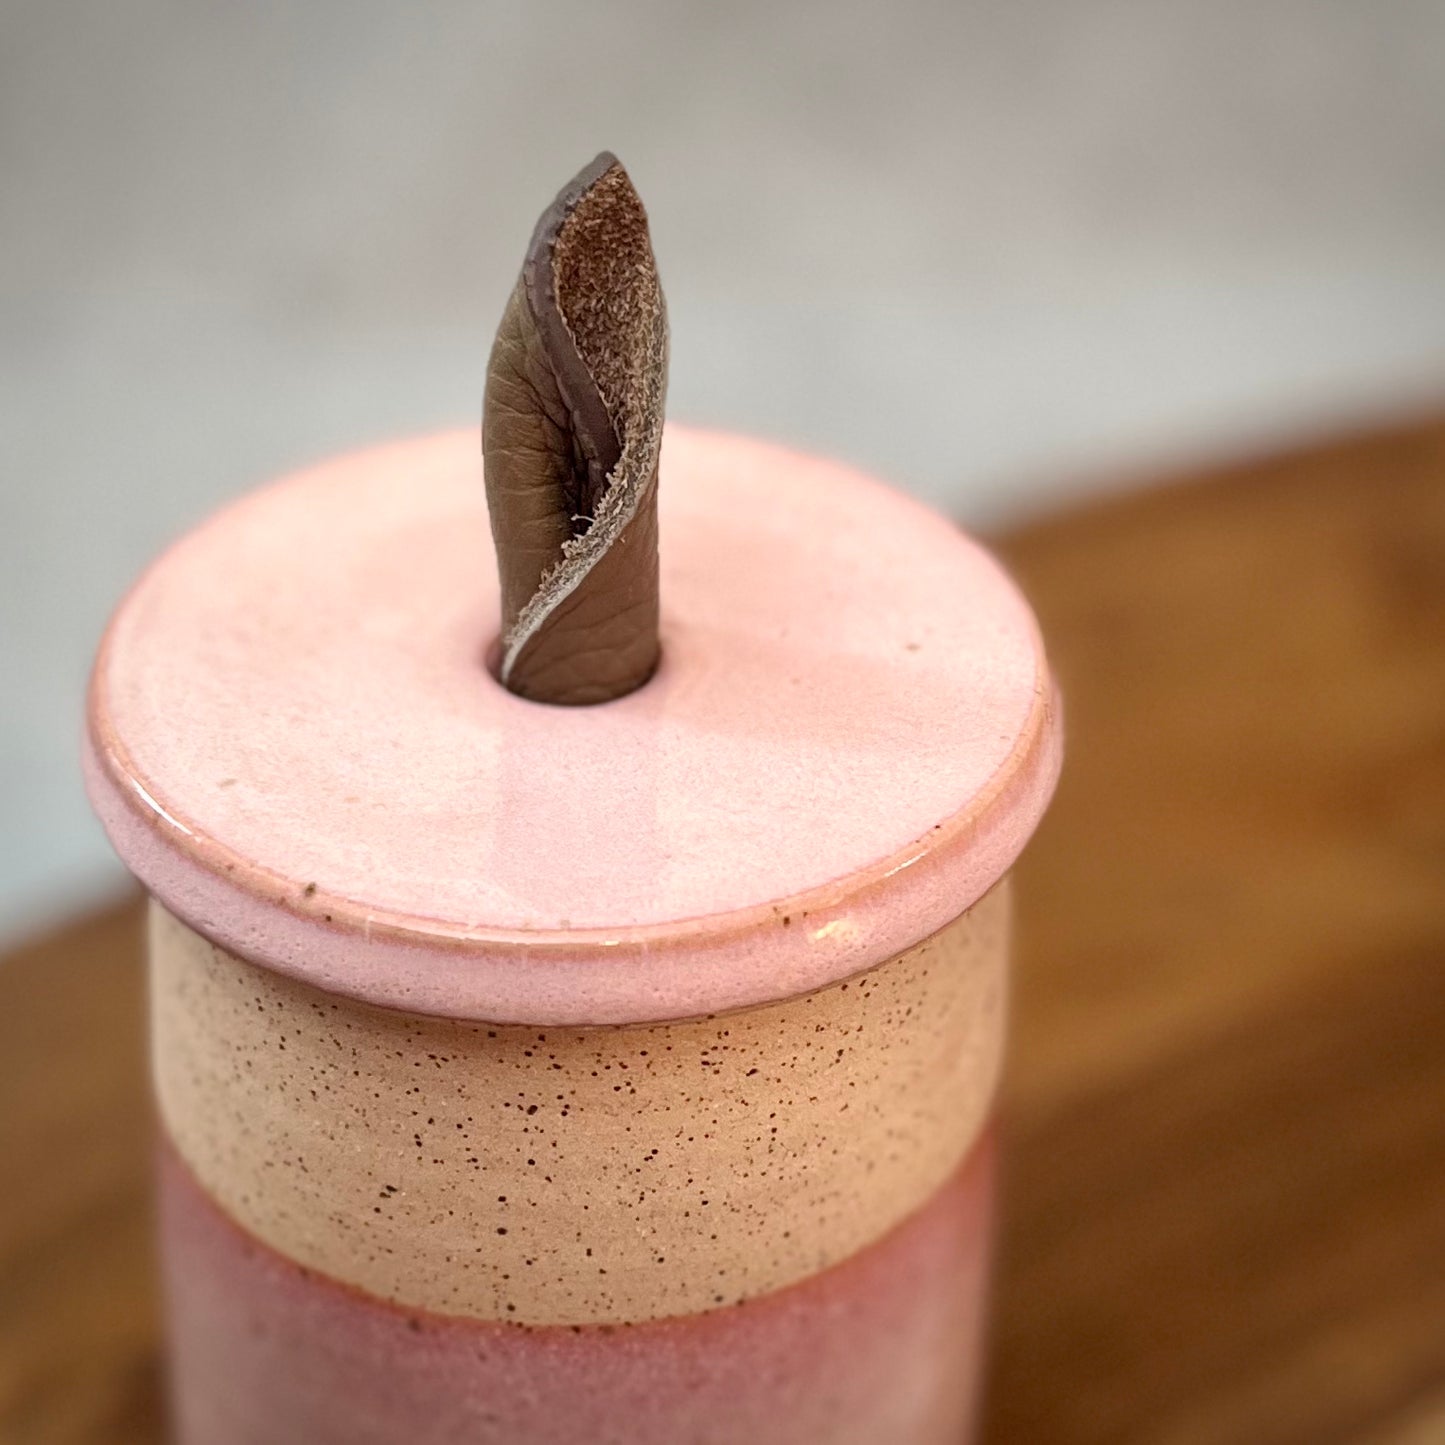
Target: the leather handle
(571, 430)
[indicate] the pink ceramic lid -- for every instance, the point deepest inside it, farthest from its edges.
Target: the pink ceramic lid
(294, 743)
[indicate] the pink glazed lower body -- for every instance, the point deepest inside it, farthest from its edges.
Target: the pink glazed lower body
(881, 1349)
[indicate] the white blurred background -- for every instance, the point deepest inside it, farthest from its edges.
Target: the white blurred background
(1002, 252)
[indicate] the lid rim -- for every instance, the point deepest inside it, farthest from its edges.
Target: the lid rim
(825, 917)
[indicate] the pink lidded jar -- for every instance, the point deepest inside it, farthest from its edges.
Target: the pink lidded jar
(548, 1074)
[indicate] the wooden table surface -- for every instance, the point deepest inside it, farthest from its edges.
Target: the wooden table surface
(1225, 1112)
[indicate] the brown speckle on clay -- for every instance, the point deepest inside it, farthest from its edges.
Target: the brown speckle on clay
(798, 1135)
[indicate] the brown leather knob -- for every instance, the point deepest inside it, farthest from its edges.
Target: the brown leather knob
(571, 430)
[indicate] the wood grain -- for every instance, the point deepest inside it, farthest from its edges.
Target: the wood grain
(1226, 1215)
(78, 1319)
(1226, 1106)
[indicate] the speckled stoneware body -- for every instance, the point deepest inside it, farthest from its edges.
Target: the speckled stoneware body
(534, 1074)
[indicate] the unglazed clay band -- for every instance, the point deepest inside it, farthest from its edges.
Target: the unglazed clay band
(578, 1175)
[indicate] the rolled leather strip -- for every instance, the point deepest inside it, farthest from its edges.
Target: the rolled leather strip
(571, 429)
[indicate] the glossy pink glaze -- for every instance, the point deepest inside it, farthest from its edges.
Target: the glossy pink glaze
(882, 1348)
(294, 745)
